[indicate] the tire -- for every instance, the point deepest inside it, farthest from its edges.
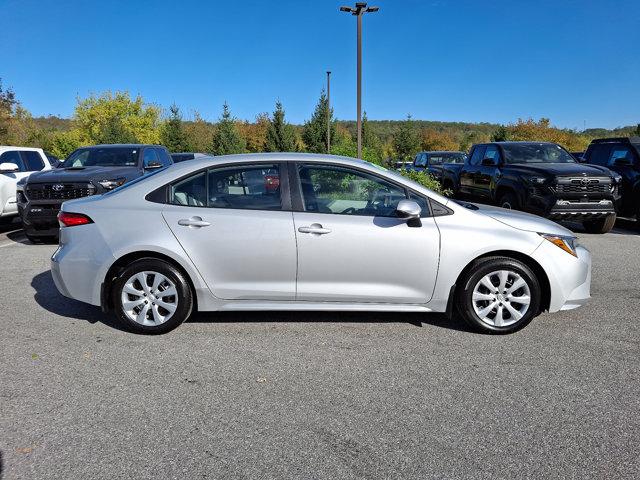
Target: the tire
(510, 201)
(500, 319)
(145, 310)
(601, 225)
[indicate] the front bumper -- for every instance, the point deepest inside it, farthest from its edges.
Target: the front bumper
(569, 277)
(581, 209)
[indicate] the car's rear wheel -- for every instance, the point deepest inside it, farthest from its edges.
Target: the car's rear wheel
(510, 201)
(499, 295)
(151, 296)
(601, 225)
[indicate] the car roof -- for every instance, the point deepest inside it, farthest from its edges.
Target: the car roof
(278, 157)
(11, 147)
(518, 142)
(442, 151)
(123, 145)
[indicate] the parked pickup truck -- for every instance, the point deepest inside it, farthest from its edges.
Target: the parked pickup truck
(17, 163)
(622, 155)
(87, 171)
(443, 165)
(541, 178)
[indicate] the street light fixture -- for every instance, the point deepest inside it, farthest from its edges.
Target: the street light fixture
(359, 10)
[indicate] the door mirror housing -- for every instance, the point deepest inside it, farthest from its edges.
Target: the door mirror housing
(489, 162)
(153, 166)
(8, 167)
(409, 211)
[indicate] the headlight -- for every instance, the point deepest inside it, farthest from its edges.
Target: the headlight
(535, 179)
(111, 184)
(22, 182)
(617, 178)
(566, 243)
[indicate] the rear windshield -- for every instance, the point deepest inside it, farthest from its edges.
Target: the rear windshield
(181, 157)
(103, 157)
(439, 158)
(536, 153)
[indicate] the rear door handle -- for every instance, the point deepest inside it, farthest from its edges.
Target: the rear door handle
(315, 228)
(195, 222)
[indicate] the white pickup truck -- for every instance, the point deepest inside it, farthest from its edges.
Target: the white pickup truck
(17, 163)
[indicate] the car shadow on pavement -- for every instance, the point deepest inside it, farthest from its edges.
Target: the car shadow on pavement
(415, 319)
(48, 297)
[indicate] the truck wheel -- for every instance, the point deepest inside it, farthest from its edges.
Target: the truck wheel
(602, 225)
(510, 201)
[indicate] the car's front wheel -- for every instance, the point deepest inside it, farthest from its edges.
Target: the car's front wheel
(499, 295)
(151, 296)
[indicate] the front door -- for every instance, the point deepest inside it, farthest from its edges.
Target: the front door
(487, 172)
(352, 247)
(231, 222)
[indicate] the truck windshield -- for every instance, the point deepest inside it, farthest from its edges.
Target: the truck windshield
(103, 157)
(536, 153)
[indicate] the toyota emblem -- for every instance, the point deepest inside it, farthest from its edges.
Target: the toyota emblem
(58, 187)
(584, 181)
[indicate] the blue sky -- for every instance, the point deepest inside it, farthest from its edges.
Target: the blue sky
(576, 62)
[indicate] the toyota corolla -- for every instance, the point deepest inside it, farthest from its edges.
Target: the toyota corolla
(309, 232)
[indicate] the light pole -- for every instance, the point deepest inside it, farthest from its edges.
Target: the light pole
(328, 111)
(359, 10)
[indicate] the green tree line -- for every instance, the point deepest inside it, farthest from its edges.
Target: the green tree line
(117, 117)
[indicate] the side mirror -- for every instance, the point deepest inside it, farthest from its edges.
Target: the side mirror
(153, 166)
(618, 162)
(8, 167)
(488, 162)
(410, 211)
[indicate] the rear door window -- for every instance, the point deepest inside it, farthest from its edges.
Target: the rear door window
(32, 160)
(250, 187)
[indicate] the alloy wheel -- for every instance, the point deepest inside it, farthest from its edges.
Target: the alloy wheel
(149, 298)
(501, 298)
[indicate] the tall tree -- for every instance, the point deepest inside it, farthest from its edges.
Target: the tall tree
(173, 135)
(314, 132)
(8, 104)
(281, 137)
(255, 133)
(227, 139)
(405, 141)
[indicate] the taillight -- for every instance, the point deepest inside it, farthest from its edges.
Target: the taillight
(67, 219)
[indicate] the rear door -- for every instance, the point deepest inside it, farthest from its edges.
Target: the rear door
(236, 225)
(352, 247)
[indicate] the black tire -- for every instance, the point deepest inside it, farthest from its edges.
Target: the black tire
(601, 225)
(184, 295)
(509, 200)
(483, 267)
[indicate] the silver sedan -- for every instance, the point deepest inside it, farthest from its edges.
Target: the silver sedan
(309, 232)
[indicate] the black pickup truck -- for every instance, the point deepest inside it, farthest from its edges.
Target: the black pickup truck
(622, 156)
(87, 171)
(442, 165)
(541, 178)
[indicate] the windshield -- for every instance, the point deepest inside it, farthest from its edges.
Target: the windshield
(536, 153)
(103, 157)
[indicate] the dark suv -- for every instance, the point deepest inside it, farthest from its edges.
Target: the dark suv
(87, 171)
(622, 155)
(541, 178)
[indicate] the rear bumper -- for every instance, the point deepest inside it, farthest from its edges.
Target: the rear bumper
(40, 220)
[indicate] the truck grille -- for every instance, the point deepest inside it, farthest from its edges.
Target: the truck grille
(59, 191)
(584, 185)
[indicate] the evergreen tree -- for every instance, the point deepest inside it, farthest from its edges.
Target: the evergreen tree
(314, 131)
(637, 132)
(8, 105)
(406, 141)
(173, 135)
(500, 135)
(281, 136)
(227, 139)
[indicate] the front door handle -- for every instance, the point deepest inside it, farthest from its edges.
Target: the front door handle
(315, 228)
(195, 222)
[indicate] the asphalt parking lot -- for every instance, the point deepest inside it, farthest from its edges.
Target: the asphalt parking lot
(319, 395)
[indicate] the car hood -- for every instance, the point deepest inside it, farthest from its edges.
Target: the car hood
(560, 169)
(85, 174)
(522, 220)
